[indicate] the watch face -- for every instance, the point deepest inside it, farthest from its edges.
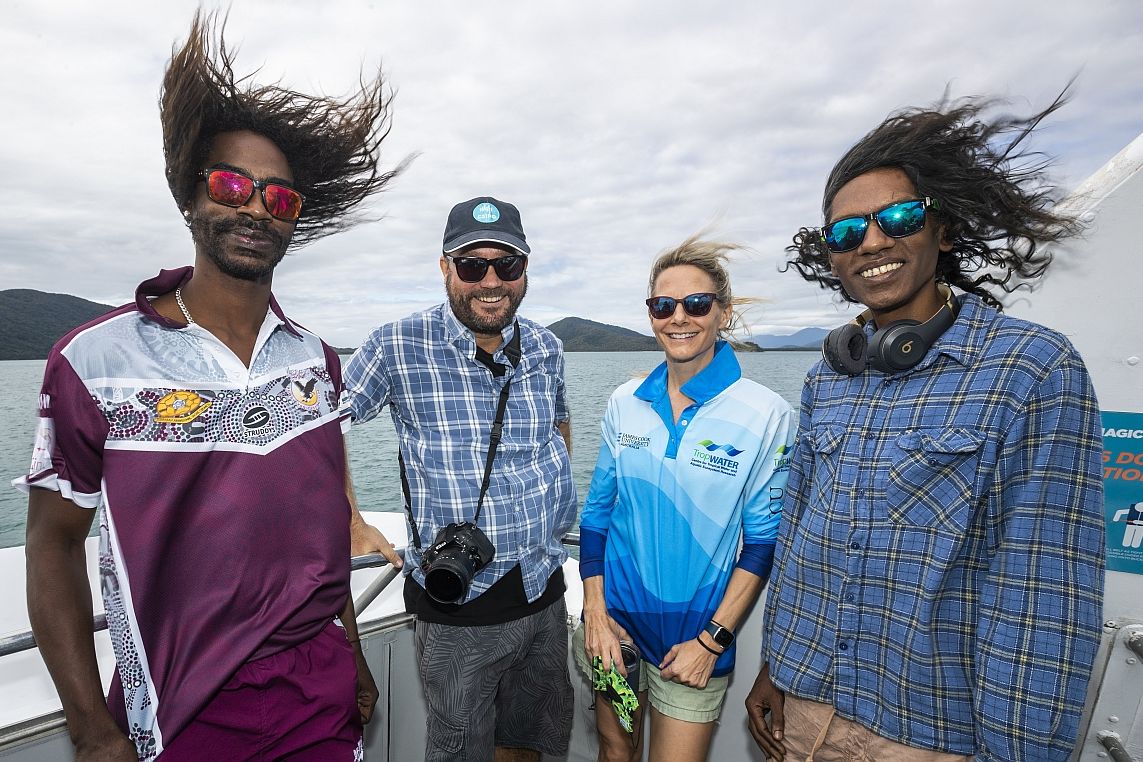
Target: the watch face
(720, 635)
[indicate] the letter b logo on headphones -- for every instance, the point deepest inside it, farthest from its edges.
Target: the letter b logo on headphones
(894, 348)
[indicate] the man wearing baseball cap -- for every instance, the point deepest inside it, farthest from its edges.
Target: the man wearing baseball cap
(486, 512)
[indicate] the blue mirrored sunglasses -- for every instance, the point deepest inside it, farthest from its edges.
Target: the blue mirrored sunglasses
(898, 220)
(695, 305)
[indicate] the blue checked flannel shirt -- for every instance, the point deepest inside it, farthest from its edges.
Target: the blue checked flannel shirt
(443, 403)
(938, 575)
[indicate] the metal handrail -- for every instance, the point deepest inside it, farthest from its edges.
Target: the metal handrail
(26, 641)
(1114, 745)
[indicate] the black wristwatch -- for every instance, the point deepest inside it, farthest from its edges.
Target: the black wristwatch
(719, 634)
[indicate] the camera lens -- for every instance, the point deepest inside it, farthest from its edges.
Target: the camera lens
(448, 577)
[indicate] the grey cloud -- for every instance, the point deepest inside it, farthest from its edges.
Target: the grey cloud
(619, 128)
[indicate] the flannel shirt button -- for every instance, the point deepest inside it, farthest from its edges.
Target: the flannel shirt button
(843, 646)
(855, 545)
(850, 597)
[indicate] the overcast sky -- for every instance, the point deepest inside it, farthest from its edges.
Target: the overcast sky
(617, 127)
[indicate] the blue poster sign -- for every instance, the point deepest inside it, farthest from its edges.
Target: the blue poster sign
(1123, 490)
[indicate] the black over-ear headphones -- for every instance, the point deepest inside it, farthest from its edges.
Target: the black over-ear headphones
(896, 347)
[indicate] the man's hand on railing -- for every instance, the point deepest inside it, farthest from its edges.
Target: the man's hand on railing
(365, 538)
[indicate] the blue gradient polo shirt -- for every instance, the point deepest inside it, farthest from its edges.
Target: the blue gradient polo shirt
(671, 504)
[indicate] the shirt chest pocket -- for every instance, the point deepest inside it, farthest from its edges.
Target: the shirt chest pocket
(933, 480)
(820, 444)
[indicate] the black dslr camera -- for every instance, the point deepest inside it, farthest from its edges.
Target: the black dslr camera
(454, 558)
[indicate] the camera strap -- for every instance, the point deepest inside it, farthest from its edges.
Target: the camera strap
(512, 352)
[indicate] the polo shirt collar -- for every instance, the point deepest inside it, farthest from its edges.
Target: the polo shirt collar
(722, 371)
(169, 280)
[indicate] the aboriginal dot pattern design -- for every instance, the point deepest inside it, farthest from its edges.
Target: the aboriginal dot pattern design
(136, 687)
(255, 416)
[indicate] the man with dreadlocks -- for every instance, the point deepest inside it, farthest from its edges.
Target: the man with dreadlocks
(939, 566)
(205, 425)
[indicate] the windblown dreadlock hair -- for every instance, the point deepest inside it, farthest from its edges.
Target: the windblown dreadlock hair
(995, 201)
(332, 146)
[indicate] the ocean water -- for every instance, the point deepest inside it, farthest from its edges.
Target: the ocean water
(591, 377)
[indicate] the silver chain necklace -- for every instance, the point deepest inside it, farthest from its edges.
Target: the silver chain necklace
(183, 307)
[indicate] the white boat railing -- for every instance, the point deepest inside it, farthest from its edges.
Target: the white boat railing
(26, 641)
(45, 737)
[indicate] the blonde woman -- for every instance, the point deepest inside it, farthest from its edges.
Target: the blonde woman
(678, 527)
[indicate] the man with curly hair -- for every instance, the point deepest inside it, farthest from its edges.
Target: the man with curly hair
(938, 573)
(204, 424)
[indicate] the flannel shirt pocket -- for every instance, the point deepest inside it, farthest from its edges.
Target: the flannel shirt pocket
(934, 481)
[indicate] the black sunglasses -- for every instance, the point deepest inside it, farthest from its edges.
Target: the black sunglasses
(898, 220)
(695, 305)
(230, 187)
(473, 269)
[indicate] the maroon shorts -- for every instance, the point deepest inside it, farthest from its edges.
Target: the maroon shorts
(299, 704)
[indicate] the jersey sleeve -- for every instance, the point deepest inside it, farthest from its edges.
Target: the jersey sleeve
(70, 435)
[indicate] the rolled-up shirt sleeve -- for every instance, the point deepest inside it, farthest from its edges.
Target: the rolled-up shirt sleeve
(366, 378)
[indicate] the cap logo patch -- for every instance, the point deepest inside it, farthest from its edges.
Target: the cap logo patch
(486, 213)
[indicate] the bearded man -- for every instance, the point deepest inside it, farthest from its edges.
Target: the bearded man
(478, 400)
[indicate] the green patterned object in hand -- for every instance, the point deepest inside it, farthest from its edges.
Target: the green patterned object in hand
(615, 688)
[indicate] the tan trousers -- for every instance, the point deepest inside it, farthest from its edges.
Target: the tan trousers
(815, 734)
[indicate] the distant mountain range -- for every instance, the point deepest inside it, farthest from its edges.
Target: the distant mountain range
(807, 338)
(32, 321)
(580, 335)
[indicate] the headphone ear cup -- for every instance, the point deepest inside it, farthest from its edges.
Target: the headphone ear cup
(844, 349)
(897, 347)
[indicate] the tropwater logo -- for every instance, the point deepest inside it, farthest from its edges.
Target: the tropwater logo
(706, 457)
(1123, 433)
(782, 458)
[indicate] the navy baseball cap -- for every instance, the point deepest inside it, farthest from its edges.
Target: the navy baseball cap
(484, 220)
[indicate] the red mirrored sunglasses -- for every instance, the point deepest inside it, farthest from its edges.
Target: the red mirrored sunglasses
(230, 187)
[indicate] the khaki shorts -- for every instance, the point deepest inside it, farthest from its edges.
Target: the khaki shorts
(675, 700)
(815, 733)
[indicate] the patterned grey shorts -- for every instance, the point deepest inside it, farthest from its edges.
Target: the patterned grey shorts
(496, 685)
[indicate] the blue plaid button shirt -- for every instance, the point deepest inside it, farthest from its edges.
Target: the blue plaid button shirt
(443, 404)
(939, 568)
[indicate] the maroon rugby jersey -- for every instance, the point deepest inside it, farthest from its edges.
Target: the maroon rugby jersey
(224, 529)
